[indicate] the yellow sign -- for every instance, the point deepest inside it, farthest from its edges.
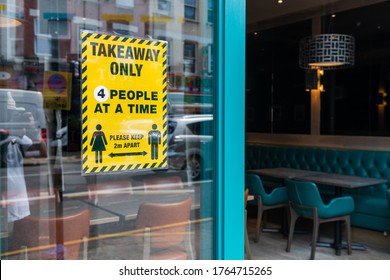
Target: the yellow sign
(124, 103)
(57, 88)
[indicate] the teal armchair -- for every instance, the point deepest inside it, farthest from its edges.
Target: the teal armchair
(277, 198)
(305, 201)
(388, 196)
(388, 202)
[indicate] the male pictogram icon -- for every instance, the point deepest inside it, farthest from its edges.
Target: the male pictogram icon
(154, 139)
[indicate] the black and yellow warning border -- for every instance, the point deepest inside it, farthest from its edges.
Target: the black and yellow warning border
(87, 93)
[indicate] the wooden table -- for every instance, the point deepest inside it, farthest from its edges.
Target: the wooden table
(48, 207)
(340, 182)
(282, 172)
(98, 216)
(126, 206)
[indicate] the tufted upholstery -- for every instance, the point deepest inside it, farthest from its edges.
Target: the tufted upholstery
(372, 209)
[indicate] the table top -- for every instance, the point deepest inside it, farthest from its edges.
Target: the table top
(282, 172)
(343, 181)
(126, 206)
(109, 209)
(47, 207)
(68, 207)
(330, 179)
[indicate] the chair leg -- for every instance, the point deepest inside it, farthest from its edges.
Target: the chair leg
(314, 236)
(293, 218)
(146, 249)
(247, 246)
(188, 243)
(349, 238)
(259, 219)
(85, 248)
(24, 253)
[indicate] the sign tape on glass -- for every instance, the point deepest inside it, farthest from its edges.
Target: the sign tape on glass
(124, 103)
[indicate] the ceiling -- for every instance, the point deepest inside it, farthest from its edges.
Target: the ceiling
(265, 14)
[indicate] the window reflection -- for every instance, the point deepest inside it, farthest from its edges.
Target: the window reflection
(190, 9)
(41, 57)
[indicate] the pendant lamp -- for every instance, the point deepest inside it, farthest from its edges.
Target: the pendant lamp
(327, 51)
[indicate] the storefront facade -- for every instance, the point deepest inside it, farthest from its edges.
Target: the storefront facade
(111, 107)
(108, 105)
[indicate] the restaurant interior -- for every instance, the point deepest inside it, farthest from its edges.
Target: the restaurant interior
(317, 78)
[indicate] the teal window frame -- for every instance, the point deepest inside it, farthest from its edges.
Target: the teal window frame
(230, 128)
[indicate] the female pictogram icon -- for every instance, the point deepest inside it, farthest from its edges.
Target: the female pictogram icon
(98, 143)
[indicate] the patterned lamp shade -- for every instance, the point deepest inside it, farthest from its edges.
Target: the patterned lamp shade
(327, 51)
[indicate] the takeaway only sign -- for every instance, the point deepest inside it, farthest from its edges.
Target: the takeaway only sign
(124, 103)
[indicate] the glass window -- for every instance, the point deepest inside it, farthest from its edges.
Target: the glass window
(199, 128)
(164, 6)
(124, 3)
(210, 11)
(42, 45)
(104, 119)
(190, 9)
(189, 57)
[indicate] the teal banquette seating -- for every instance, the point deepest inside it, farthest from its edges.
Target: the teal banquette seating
(372, 209)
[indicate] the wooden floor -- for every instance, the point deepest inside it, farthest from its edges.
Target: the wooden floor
(272, 246)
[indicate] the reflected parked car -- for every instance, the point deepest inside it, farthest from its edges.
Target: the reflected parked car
(30, 104)
(187, 137)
